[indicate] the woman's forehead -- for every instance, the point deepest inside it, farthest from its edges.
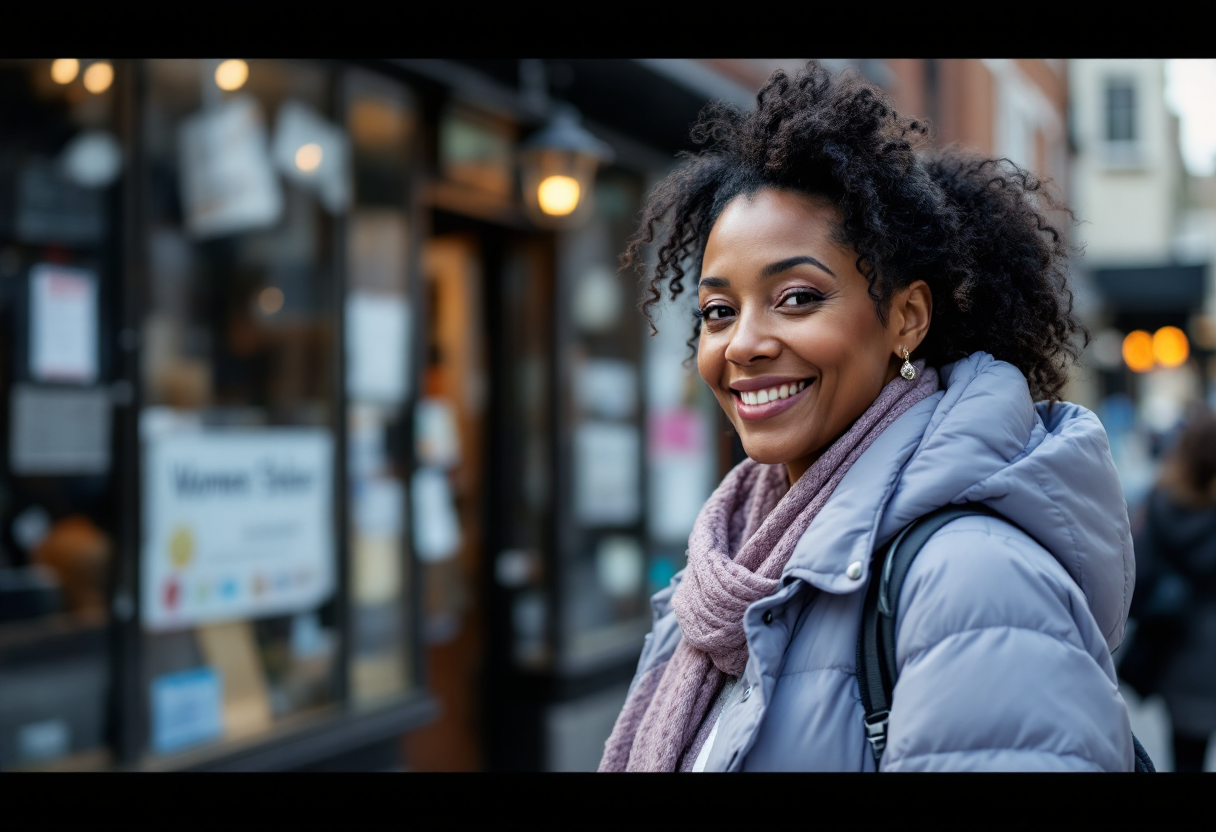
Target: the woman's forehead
(772, 221)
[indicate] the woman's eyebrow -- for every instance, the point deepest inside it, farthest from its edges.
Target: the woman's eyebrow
(789, 263)
(768, 271)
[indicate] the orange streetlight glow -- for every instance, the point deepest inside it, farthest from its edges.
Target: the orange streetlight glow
(1170, 346)
(1138, 351)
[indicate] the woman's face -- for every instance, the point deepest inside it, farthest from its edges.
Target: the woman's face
(791, 343)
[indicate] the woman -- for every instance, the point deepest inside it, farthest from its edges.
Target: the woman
(877, 323)
(1175, 644)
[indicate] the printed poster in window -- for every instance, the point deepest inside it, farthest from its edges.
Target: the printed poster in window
(237, 524)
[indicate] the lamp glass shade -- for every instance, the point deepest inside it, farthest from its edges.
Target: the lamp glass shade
(557, 170)
(558, 186)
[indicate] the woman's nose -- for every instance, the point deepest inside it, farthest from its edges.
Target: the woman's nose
(751, 339)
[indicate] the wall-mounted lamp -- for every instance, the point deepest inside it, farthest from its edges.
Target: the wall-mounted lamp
(557, 170)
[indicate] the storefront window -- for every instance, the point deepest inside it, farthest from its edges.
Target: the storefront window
(60, 161)
(603, 597)
(246, 186)
(380, 327)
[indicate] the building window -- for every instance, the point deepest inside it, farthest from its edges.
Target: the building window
(1121, 138)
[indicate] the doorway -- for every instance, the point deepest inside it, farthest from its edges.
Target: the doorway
(448, 485)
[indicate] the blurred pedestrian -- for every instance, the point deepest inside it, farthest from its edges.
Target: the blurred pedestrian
(1173, 649)
(877, 322)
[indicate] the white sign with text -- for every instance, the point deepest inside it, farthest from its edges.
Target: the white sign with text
(237, 524)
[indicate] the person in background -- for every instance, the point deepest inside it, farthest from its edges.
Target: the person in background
(878, 321)
(1173, 650)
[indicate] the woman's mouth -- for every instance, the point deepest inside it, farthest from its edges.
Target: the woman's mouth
(761, 404)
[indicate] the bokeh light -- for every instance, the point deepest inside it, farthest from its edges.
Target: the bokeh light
(64, 70)
(558, 195)
(270, 300)
(232, 74)
(1138, 351)
(1170, 347)
(98, 77)
(308, 157)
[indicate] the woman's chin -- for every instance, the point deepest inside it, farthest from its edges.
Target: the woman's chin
(766, 454)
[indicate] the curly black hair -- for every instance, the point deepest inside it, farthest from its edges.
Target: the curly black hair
(975, 229)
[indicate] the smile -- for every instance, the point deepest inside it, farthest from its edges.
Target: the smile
(761, 404)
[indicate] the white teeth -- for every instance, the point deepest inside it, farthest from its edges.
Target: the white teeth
(773, 394)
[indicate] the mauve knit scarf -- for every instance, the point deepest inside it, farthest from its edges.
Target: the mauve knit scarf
(739, 546)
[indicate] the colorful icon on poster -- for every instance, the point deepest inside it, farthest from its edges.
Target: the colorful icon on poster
(181, 546)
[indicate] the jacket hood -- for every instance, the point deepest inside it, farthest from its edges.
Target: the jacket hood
(982, 439)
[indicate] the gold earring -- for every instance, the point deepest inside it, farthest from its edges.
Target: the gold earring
(907, 371)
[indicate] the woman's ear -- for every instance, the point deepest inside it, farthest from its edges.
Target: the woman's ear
(911, 311)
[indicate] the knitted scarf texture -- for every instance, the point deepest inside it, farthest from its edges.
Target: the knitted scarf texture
(740, 543)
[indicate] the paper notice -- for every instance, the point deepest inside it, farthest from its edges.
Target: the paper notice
(314, 153)
(63, 324)
(59, 431)
(606, 474)
(377, 347)
(228, 182)
(608, 388)
(436, 527)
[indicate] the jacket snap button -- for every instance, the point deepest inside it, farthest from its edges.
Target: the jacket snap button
(768, 617)
(854, 570)
(746, 693)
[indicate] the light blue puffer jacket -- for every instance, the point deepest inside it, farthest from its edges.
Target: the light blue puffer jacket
(1004, 633)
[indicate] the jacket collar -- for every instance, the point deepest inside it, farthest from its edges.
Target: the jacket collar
(847, 528)
(982, 439)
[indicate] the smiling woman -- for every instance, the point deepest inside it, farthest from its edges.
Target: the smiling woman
(787, 319)
(877, 322)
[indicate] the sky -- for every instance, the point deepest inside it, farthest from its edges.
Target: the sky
(1190, 91)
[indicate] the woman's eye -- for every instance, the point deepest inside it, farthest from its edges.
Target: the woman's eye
(801, 298)
(718, 313)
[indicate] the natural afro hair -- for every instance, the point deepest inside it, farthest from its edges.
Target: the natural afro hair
(975, 229)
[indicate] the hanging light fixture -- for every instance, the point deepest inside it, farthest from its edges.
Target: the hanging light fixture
(557, 170)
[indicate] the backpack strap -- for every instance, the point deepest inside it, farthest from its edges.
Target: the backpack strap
(876, 668)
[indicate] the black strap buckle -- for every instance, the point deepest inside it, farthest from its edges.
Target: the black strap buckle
(876, 732)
